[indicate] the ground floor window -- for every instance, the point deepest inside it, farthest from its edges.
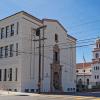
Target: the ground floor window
(26, 90)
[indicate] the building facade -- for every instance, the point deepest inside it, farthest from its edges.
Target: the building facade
(96, 64)
(83, 75)
(19, 55)
(88, 73)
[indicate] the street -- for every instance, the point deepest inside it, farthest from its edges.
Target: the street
(77, 96)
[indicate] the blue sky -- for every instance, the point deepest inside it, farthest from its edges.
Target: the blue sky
(80, 17)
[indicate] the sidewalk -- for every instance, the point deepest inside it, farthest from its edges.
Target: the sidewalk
(2, 92)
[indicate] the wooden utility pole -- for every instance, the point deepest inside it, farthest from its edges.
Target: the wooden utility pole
(39, 71)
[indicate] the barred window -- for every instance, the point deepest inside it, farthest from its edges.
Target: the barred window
(2, 33)
(11, 50)
(10, 74)
(1, 52)
(7, 31)
(5, 74)
(12, 29)
(6, 51)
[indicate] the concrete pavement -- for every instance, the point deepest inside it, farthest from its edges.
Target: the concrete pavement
(5, 95)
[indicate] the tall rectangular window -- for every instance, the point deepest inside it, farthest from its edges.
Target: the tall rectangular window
(16, 73)
(12, 29)
(7, 31)
(1, 52)
(6, 51)
(2, 33)
(17, 27)
(16, 49)
(10, 74)
(0, 74)
(5, 74)
(56, 56)
(11, 50)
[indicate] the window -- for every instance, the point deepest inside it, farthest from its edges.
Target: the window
(87, 81)
(10, 89)
(17, 27)
(26, 90)
(6, 51)
(15, 90)
(96, 55)
(77, 71)
(94, 67)
(5, 74)
(32, 90)
(83, 70)
(0, 74)
(97, 76)
(98, 67)
(11, 50)
(7, 31)
(10, 74)
(56, 56)
(12, 29)
(56, 38)
(16, 73)
(16, 49)
(1, 52)
(2, 33)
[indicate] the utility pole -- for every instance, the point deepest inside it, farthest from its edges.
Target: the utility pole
(39, 71)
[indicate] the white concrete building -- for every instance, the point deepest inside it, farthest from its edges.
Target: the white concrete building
(19, 56)
(88, 73)
(83, 74)
(96, 64)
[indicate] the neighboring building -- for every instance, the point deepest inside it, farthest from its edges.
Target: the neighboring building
(96, 64)
(19, 55)
(88, 74)
(83, 74)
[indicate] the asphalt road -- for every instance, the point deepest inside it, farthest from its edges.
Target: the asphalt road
(77, 96)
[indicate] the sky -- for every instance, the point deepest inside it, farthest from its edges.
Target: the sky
(81, 18)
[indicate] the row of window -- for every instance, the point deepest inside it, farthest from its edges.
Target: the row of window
(8, 30)
(8, 51)
(96, 76)
(83, 70)
(6, 74)
(71, 89)
(96, 68)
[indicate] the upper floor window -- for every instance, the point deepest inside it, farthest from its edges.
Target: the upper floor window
(83, 70)
(0, 74)
(97, 55)
(56, 37)
(11, 50)
(1, 52)
(12, 29)
(16, 49)
(7, 31)
(2, 33)
(77, 71)
(6, 51)
(97, 76)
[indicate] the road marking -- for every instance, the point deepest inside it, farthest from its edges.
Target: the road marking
(96, 99)
(83, 98)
